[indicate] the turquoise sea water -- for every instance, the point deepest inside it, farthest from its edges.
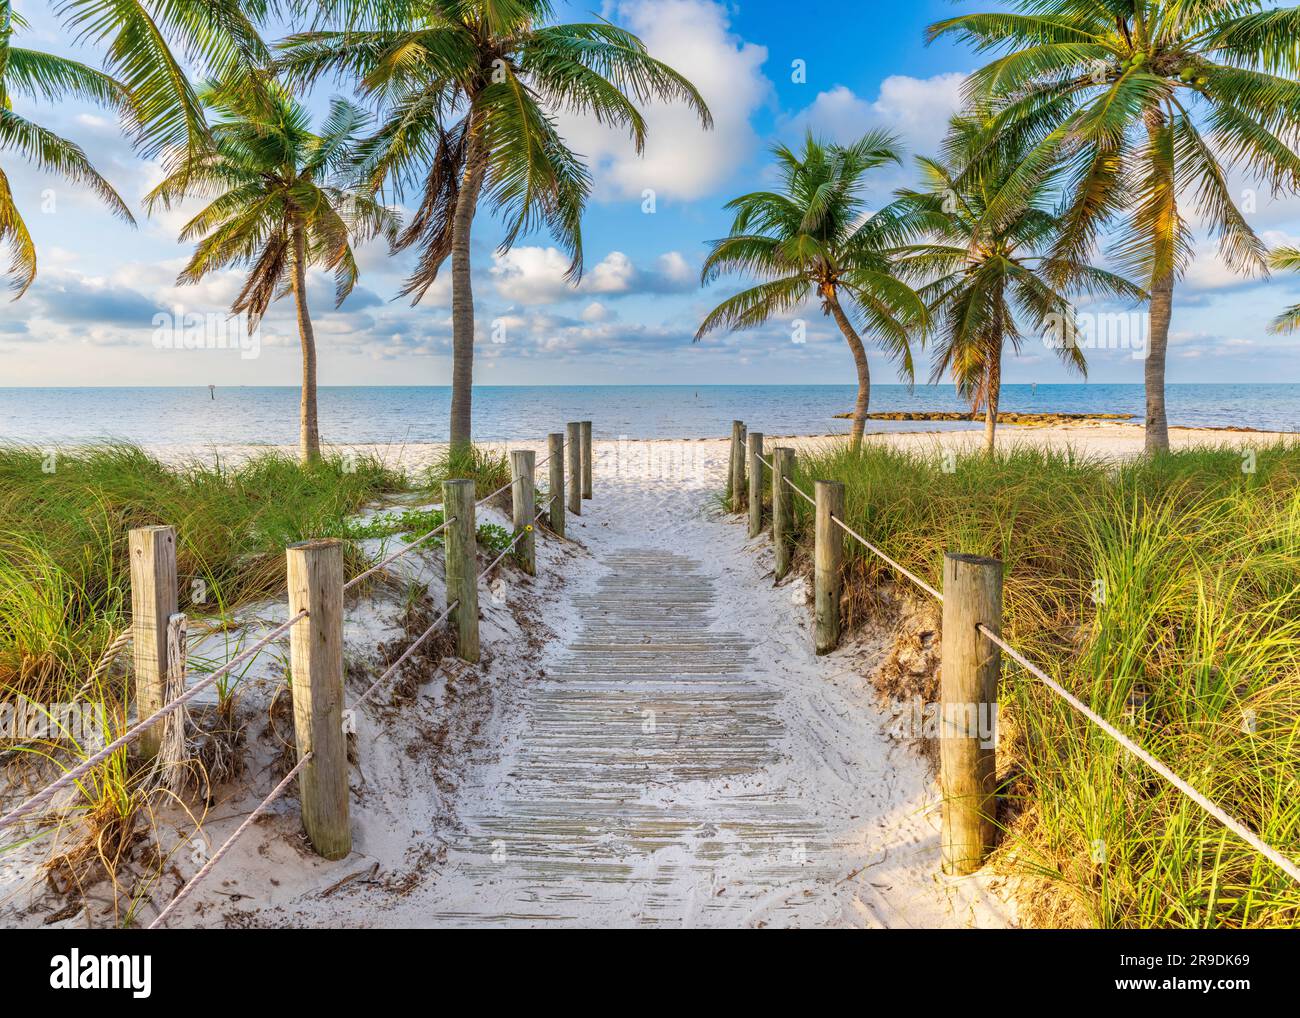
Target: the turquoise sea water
(189, 416)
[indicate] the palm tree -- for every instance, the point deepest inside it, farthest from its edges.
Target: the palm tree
(142, 40)
(983, 278)
(470, 90)
(815, 235)
(1286, 259)
(281, 202)
(1149, 102)
(42, 76)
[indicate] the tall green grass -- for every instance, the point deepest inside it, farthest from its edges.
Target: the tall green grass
(64, 574)
(1165, 593)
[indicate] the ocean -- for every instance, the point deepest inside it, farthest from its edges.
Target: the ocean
(397, 414)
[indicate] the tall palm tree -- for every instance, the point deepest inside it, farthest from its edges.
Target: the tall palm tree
(281, 203)
(470, 90)
(1286, 259)
(814, 235)
(146, 44)
(1151, 102)
(35, 75)
(984, 278)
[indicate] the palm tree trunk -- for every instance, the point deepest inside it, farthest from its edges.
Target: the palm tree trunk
(462, 293)
(860, 362)
(991, 401)
(1162, 306)
(309, 424)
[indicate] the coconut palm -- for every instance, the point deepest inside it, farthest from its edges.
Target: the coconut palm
(1286, 259)
(815, 236)
(471, 89)
(31, 74)
(1151, 103)
(147, 42)
(281, 202)
(984, 280)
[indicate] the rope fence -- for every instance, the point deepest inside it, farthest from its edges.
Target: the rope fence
(969, 672)
(316, 596)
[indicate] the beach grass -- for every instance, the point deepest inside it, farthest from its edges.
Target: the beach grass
(1165, 593)
(64, 574)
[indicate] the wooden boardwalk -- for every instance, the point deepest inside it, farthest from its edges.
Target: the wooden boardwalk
(631, 799)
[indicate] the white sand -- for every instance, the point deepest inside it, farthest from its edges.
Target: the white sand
(443, 779)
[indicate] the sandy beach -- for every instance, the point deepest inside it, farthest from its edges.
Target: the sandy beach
(527, 791)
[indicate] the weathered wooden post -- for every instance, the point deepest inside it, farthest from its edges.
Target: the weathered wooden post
(461, 549)
(555, 454)
(736, 471)
(754, 446)
(522, 465)
(782, 509)
(573, 444)
(315, 580)
(588, 468)
(828, 554)
(153, 601)
(970, 665)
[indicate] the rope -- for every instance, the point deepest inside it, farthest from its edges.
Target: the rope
(508, 549)
(766, 462)
(91, 762)
(398, 554)
(405, 654)
(107, 658)
(799, 491)
(276, 792)
(1237, 827)
(872, 548)
(510, 483)
(1241, 830)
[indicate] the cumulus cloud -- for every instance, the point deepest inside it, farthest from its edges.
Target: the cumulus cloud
(681, 160)
(915, 109)
(536, 275)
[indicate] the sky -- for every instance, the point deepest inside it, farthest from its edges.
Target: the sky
(770, 71)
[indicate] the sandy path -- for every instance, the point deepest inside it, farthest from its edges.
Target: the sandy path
(683, 759)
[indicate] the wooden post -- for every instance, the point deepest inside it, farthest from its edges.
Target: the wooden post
(555, 510)
(315, 580)
(573, 443)
(736, 480)
(587, 467)
(969, 668)
(461, 550)
(153, 601)
(828, 553)
(782, 509)
(522, 465)
(754, 446)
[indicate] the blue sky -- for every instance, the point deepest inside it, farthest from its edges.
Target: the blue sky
(89, 318)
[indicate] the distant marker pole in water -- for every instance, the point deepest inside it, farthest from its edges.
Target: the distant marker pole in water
(587, 465)
(573, 442)
(555, 455)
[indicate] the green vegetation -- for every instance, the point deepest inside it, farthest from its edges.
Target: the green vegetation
(814, 237)
(64, 575)
(412, 523)
(1163, 593)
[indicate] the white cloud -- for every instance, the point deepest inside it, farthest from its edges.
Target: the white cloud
(681, 160)
(915, 109)
(536, 275)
